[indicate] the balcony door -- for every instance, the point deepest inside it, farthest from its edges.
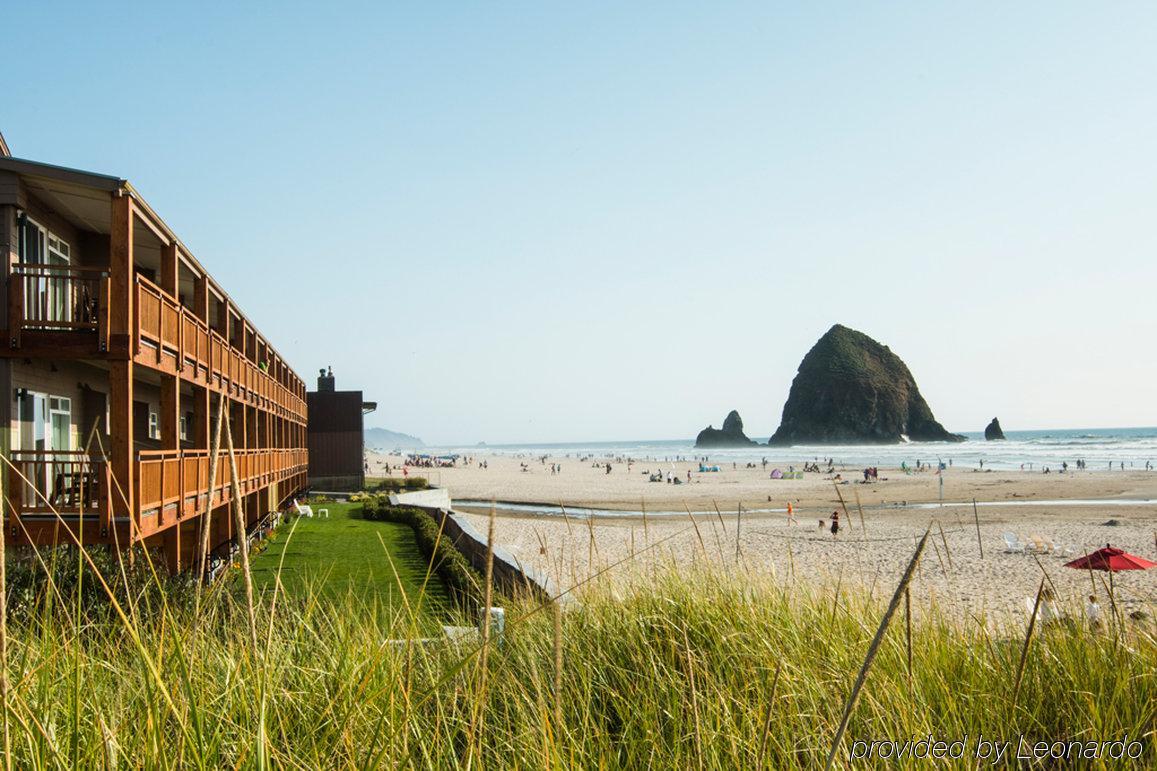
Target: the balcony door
(47, 295)
(45, 433)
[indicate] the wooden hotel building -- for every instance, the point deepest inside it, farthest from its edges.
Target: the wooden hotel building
(117, 350)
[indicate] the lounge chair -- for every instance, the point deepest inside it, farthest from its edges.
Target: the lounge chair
(307, 510)
(1012, 544)
(1040, 545)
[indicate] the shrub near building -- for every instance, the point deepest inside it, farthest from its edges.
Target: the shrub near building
(449, 564)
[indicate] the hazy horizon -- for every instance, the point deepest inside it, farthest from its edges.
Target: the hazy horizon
(760, 437)
(532, 223)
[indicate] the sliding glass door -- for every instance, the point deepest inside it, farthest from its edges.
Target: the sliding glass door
(47, 285)
(45, 434)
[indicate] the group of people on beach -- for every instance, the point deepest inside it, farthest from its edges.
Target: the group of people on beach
(832, 523)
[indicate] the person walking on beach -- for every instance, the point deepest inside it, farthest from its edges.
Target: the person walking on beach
(835, 523)
(790, 514)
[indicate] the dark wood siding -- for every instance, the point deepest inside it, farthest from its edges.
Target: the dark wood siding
(335, 437)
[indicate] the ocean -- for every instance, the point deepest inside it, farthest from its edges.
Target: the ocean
(1034, 449)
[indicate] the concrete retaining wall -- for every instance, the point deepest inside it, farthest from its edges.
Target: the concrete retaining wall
(434, 498)
(509, 574)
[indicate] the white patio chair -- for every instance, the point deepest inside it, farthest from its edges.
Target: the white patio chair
(303, 511)
(1039, 545)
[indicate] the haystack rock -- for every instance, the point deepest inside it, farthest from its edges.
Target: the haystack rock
(992, 431)
(850, 389)
(731, 435)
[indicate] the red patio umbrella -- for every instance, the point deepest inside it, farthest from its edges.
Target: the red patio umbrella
(1111, 559)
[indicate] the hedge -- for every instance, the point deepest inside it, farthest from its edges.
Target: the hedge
(399, 484)
(461, 579)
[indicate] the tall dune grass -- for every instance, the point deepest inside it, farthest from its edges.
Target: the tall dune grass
(692, 669)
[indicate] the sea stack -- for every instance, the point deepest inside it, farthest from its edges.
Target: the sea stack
(850, 389)
(992, 431)
(731, 435)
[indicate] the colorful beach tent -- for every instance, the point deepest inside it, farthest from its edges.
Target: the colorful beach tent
(1111, 559)
(776, 474)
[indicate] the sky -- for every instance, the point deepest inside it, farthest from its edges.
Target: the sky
(518, 221)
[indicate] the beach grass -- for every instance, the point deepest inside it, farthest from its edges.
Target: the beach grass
(691, 668)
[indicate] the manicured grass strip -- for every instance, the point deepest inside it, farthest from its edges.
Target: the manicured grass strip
(345, 554)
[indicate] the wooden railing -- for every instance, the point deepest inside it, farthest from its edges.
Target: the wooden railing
(177, 481)
(57, 297)
(63, 298)
(41, 482)
(173, 331)
(173, 484)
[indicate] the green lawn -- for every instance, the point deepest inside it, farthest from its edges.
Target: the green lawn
(346, 556)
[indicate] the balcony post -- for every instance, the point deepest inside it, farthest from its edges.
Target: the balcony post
(169, 269)
(171, 437)
(201, 396)
(171, 539)
(121, 323)
(201, 311)
(170, 277)
(170, 412)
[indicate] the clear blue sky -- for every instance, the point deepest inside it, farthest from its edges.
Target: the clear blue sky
(564, 221)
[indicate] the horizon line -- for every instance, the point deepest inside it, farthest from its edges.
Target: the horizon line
(645, 441)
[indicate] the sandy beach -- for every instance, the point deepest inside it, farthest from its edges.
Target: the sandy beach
(1070, 511)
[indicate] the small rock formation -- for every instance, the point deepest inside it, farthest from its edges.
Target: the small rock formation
(992, 431)
(850, 389)
(731, 435)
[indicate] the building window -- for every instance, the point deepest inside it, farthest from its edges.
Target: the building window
(184, 428)
(154, 426)
(58, 251)
(32, 237)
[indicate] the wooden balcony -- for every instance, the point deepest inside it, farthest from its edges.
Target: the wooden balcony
(68, 309)
(172, 339)
(171, 486)
(43, 484)
(58, 298)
